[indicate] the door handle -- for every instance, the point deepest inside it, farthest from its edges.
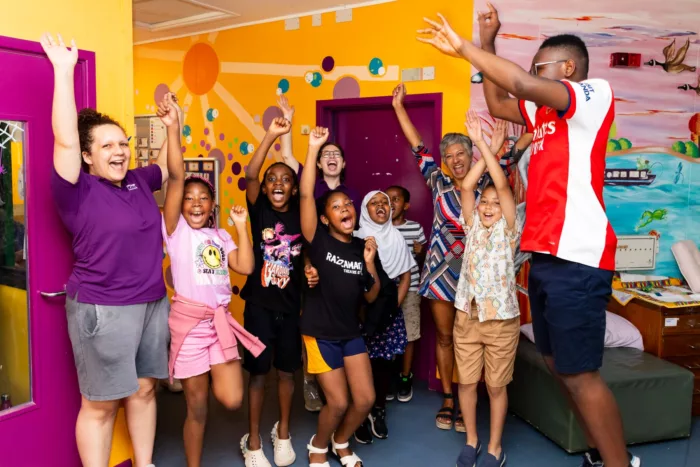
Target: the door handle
(52, 294)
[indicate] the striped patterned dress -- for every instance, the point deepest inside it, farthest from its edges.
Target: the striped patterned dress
(443, 261)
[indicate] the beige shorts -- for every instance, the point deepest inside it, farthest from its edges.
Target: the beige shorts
(411, 315)
(490, 344)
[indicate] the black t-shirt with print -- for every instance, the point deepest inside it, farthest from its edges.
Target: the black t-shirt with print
(331, 308)
(277, 247)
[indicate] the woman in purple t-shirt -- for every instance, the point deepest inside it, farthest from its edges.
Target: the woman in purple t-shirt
(117, 308)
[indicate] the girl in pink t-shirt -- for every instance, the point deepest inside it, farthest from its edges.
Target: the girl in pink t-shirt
(203, 333)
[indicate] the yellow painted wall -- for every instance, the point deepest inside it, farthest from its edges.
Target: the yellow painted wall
(14, 344)
(208, 77)
(104, 27)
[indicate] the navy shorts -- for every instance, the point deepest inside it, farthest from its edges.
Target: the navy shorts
(568, 302)
(325, 356)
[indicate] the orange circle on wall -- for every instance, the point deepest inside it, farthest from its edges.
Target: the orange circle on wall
(200, 68)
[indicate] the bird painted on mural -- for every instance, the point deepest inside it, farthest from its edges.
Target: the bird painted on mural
(690, 87)
(674, 59)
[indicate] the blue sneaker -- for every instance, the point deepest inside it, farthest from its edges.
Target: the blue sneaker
(467, 458)
(491, 461)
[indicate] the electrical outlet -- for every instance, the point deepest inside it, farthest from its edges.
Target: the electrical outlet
(410, 74)
(428, 73)
(305, 130)
(344, 15)
(316, 19)
(291, 24)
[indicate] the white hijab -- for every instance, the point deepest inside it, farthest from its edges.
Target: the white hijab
(393, 252)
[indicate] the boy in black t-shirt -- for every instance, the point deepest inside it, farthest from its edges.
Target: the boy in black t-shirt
(330, 323)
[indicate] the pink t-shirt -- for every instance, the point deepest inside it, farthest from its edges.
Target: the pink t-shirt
(199, 263)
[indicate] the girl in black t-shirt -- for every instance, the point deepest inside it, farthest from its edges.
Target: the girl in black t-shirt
(329, 324)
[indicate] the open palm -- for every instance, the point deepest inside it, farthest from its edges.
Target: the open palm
(60, 55)
(442, 37)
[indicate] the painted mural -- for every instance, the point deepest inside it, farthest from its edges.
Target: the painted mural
(650, 54)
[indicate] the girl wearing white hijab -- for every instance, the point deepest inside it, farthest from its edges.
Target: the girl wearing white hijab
(385, 330)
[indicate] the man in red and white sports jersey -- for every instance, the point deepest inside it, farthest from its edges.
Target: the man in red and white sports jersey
(566, 227)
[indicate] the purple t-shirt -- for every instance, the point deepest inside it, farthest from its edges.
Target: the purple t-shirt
(117, 240)
(322, 188)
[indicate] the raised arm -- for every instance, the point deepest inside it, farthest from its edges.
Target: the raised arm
(473, 176)
(67, 156)
(412, 135)
(241, 260)
(505, 195)
(286, 139)
(504, 73)
(404, 285)
(162, 160)
(498, 137)
(279, 126)
(309, 216)
(369, 254)
(175, 166)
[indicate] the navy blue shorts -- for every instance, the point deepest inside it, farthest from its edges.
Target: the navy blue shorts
(568, 302)
(324, 356)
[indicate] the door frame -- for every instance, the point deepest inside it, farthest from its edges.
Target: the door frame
(38, 279)
(425, 360)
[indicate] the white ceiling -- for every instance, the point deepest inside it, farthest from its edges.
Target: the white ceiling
(164, 19)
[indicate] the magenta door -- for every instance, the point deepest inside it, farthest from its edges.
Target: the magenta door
(378, 156)
(39, 431)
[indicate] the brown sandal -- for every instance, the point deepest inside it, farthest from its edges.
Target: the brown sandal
(459, 423)
(445, 412)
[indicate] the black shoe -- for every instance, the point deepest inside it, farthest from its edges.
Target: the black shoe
(405, 388)
(393, 387)
(377, 420)
(363, 434)
(592, 458)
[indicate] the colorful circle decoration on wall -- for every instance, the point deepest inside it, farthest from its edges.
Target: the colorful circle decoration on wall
(160, 92)
(314, 78)
(270, 114)
(282, 86)
(328, 64)
(218, 155)
(229, 180)
(212, 114)
(251, 148)
(236, 168)
(256, 119)
(188, 139)
(376, 67)
(242, 184)
(186, 130)
(235, 290)
(206, 131)
(200, 69)
(346, 88)
(244, 148)
(230, 156)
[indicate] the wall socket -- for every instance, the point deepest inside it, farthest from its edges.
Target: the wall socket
(428, 73)
(343, 15)
(410, 74)
(305, 130)
(291, 24)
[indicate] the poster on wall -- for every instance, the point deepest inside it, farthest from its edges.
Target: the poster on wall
(206, 168)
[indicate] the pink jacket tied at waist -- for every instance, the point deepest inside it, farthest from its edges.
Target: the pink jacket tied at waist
(186, 314)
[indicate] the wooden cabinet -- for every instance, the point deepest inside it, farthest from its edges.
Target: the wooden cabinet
(669, 333)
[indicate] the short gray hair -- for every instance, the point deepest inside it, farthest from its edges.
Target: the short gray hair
(455, 138)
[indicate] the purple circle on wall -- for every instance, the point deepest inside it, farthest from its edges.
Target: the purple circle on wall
(184, 149)
(230, 156)
(202, 143)
(270, 114)
(160, 92)
(241, 184)
(346, 88)
(221, 136)
(328, 64)
(229, 180)
(207, 147)
(235, 290)
(169, 277)
(236, 168)
(277, 146)
(206, 131)
(218, 155)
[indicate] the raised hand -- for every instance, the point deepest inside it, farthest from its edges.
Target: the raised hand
(279, 127)
(370, 250)
(318, 136)
(398, 95)
(498, 136)
(311, 274)
(60, 55)
(442, 37)
(287, 110)
(473, 125)
(489, 25)
(238, 215)
(167, 111)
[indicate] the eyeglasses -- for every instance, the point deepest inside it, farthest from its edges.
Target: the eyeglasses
(533, 70)
(331, 154)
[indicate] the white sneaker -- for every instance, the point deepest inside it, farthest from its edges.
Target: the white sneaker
(253, 458)
(284, 452)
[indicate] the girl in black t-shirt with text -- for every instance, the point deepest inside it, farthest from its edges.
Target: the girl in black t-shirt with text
(330, 323)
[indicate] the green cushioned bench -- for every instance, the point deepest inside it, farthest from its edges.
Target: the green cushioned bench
(654, 397)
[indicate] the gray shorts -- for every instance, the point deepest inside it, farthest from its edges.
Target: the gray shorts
(114, 346)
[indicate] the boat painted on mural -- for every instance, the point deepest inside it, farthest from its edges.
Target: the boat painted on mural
(628, 177)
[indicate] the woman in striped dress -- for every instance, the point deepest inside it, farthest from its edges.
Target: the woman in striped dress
(443, 261)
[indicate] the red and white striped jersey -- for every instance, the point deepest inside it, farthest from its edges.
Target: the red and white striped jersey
(565, 213)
